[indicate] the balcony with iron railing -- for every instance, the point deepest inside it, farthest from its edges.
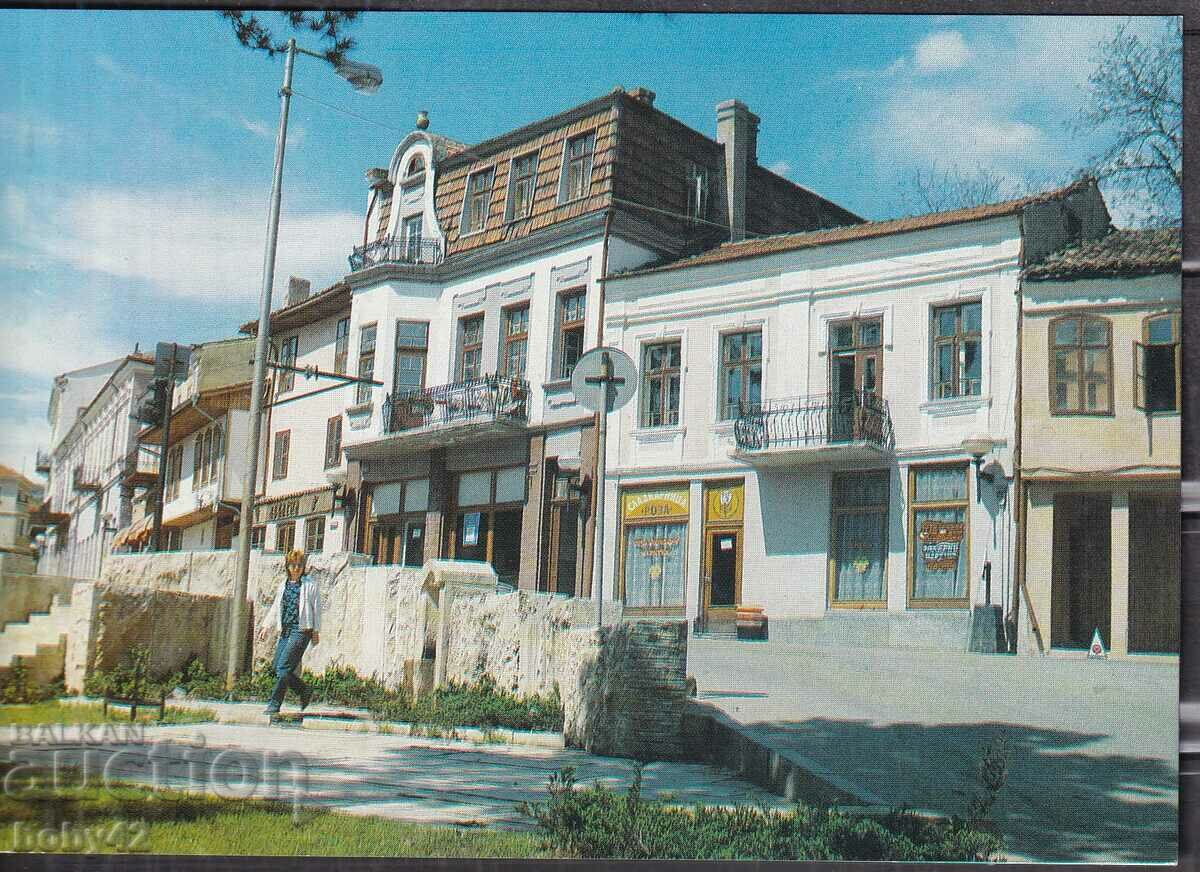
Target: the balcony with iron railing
(393, 250)
(813, 429)
(42, 464)
(457, 412)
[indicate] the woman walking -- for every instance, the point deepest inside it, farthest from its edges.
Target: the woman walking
(296, 613)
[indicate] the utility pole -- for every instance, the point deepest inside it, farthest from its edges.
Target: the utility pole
(164, 441)
(607, 382)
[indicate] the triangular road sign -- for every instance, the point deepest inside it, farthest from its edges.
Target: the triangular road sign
(1096, 649)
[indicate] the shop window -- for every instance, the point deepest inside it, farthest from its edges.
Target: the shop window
(396, 527)
(660, 384)
(957, 356)
(939, 536)
(654, 547)
(1157, 363)
(858, 552)
(487, 522)
(741, 373)
(1081, 366)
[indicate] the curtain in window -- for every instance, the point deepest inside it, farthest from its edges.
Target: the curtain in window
(860, 557)
(940, 485)
(940, 567)
(654, 564)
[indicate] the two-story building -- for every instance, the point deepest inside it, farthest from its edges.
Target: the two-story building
(478, 286)
(301, 495)
(825, 424)
(19, 497)
(92, 434)
(204, 466)
(1100, 445)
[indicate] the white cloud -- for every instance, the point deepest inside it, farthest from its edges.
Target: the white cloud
(942, 51)
(192, 243)
(43, 339)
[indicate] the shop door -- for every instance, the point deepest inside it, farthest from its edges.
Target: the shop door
(1154, 581)
(723, 571)
(1081, 600)
(414, 543)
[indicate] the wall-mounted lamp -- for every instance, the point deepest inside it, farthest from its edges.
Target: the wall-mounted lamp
(978, 447)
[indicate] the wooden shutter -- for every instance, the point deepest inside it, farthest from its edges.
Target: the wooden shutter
(1139, 376)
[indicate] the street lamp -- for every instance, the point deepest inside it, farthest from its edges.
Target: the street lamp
(366, 79)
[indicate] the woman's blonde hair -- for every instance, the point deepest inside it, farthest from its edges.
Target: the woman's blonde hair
(296, 556)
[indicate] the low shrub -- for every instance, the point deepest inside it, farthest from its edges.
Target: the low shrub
(595, 823)
(479, 705)
(16, 687)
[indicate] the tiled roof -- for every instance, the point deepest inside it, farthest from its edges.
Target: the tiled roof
(316, 306)
(1120, 253)
(868, 230)
(7, 473)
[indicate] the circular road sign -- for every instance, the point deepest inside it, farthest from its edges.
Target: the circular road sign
(590, 390)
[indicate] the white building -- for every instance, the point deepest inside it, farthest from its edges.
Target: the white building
(92, 436)
(205, 466)
(19, 497)
(478, 286)
(804, 434)
(300, 501)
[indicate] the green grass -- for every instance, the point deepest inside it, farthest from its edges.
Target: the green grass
(54, 712)
(173, 822)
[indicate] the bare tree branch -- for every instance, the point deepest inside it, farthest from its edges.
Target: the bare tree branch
(938, 189)
(1135, 96)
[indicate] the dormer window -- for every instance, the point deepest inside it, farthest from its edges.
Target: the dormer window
(577, 167)
(416, 167)
(479, 195)
(520, 186)
(697, 182)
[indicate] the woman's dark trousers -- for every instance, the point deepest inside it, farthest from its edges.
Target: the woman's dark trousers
(287, 666)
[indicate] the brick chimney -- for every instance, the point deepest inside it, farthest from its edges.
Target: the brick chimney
(298, 290)
(737, 130)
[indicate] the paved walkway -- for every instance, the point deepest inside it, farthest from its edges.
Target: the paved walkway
(1093, 774)
(406, 778)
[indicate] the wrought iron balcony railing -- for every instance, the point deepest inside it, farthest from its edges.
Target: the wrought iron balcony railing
(815, 420)
(391, 249)
(42, 464)
(480, 400)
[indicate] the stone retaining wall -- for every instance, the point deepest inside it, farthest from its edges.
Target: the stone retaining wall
(622, 687)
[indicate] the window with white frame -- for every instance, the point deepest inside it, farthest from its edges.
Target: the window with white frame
(957, 350)
(577, 167)
(521, 177)
(477, 201)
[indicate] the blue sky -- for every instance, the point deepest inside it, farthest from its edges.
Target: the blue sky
(138, 145)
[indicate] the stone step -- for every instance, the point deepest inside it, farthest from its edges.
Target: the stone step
(42, 629)
(43, 665)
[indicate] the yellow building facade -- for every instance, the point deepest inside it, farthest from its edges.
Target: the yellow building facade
(1100, 400)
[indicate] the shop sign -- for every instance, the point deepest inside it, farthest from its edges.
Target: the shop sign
(941, 542)
(320, 503)
(725, 503)
(651, 505)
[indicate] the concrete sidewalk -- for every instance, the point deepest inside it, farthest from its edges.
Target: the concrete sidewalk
(1093, 773)
(406, 778)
